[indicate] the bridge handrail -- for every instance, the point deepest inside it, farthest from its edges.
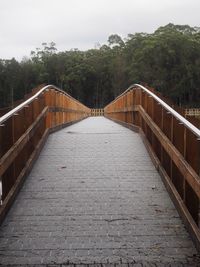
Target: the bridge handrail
(186, 123)
(189, 125)
(23, 132)
(173, 143)
(31, 99)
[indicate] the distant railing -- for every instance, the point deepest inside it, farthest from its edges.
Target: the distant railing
(192, 112)
(97, 112)
(174, 144)
(23, 131)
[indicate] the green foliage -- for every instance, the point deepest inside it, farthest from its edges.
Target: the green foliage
(168, 59)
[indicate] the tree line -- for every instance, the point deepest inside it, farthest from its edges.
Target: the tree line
(168, 60)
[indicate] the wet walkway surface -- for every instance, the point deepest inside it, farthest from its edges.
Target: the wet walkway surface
(94, 198)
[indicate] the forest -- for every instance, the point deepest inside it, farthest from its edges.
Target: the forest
(168, 60)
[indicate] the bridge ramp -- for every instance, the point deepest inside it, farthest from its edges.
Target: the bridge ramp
(94, 196)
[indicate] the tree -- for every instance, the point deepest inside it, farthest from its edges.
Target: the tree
(168, 59)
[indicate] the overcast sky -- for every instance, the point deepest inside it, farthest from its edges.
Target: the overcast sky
(26, 24)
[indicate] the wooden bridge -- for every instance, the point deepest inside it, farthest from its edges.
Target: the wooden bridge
(96, 193)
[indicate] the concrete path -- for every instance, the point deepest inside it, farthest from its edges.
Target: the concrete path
(92, 197)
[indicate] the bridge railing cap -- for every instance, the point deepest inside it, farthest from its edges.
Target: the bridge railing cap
(177, 115)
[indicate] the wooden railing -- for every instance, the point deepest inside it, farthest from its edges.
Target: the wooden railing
(173, 143)
(97, 112)
(192, 112)
(23, 131)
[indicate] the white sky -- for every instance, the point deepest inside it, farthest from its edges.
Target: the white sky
(26, 24)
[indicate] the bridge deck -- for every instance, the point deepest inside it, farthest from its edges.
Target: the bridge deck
(94, 195)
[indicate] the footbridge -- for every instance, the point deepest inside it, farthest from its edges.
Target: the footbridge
(112, 187)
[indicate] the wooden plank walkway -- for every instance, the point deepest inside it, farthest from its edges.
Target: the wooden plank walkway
(92, 197)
